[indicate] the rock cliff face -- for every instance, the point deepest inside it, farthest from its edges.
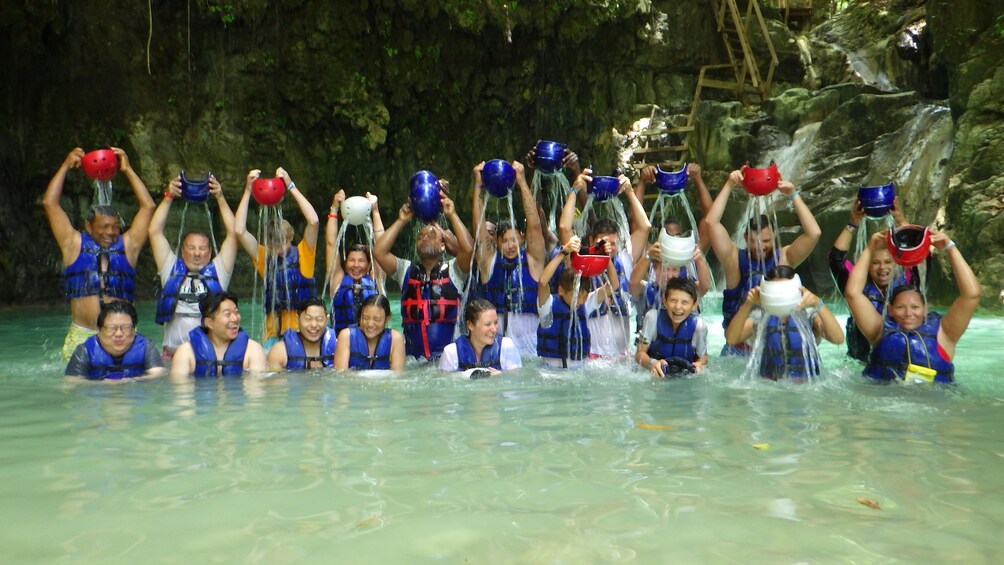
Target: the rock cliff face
(362, 94)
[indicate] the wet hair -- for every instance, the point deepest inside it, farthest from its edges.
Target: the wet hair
(102, 210)
(671, 222)
(308, 302)
(567, 281)
(209, 304)
(116, 307)
(188, 234)
(781, 272)
(681, 283)
(906, 288)
(604, 226)
(502, 227)
(474, 309)
(758, 223)
(357, 247)
(378, 300)
(279, 229)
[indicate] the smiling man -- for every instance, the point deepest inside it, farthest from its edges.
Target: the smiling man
(220, 346)
(186, 279)
(99, 263)
(312, 347)
(117, 351)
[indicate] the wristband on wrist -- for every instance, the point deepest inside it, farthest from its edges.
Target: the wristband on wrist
(793, 195)
(948, 246)
(333, 216)
(852, 227)
(651, 363)
(291, 186)
(168, 195)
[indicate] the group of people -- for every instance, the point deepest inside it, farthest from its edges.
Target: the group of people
(484, 304)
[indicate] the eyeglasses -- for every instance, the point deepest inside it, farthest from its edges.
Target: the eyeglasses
(113, 329)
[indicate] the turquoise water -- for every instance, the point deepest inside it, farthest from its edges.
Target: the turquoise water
(526, 468)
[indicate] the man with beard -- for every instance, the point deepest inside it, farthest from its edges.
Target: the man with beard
(99, 263)
(745, 268)
(431, 288)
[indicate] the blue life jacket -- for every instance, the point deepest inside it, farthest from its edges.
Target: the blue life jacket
(750, 274)
(286, 286)
(171, 293)
(84, 277)
(206, 364)
(782, 351)
(898, 347)
(562, 340)
(504, 284)
(669, 343)
(296, 357)
(104, 366)
(348, 298)
(359, 351)
(857, 344)
(491, 356)
(429, 308)
(652, 297)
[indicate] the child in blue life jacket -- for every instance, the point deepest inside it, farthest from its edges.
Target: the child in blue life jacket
(674, 340)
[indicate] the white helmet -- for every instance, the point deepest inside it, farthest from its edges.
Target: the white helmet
(356, 210)
(676, 250)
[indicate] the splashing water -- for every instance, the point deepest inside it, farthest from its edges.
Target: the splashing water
(270, 239)
(808, 351)
(594, 210)
(574, 332)
(757, 208)
(103, 192)
(555, 189)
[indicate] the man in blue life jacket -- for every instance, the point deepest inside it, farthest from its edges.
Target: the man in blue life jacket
(312, 347)
(186, 279)
(431, 287)
(117, 351)
(745, 268)
(220, 346)
(99, 263)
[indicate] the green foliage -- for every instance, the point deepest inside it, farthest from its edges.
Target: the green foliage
(224, 10)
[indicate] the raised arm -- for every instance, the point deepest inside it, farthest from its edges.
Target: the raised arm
(332, 254)
(645, 176)
(309, 214)
(483, 253)
(246, 238)
(867, 318)
(67, 237)
(640, 226)
(794, 253)
(741, 327)
(704, 197)
(536, 251)
(703, 272)
(465, 243)
(135, 237)
(158, 242)
(566, 221)
(544, 284)
(228, 249)
(957, 318)
(721, 242)
(381, 247)
(636, 283)
(825, 325)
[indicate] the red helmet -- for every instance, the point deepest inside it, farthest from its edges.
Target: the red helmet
(589, 265)
(101, 164)
(909, 245)
(761, 182)
(268, 192)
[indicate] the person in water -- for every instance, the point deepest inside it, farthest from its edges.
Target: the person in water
(563, 337)
(220, 346)
(784, 354)
(117, 351)
(610, 325)
(431, 287)
(674, 339)
(185, 279)
(287, 271)
(745, 268)
(353, 279)
(881, 271)
(370, 344)
(647, 176)
(910, 342)
(511, 269)
(484, 346)
(312, 347)
(649, 276)
(99, 263)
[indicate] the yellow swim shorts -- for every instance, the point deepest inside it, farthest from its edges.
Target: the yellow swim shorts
(75, 337)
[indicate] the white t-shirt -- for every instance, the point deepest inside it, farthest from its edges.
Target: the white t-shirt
(508, 357)
(650, 329)
(186, 314)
